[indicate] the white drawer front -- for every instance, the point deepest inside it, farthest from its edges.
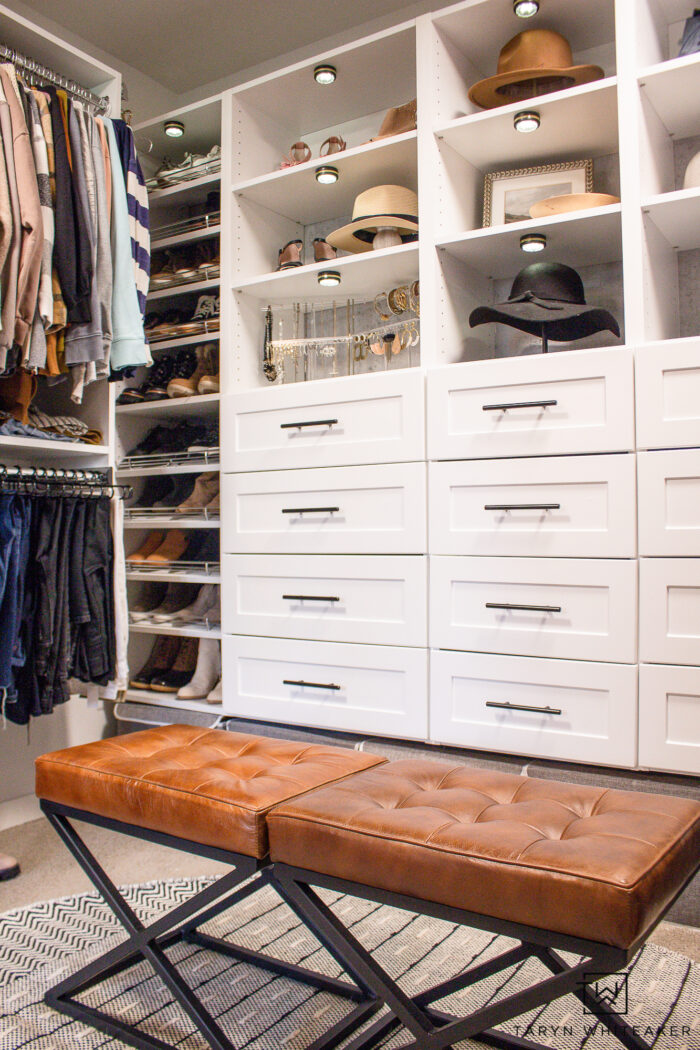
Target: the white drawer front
(372, 689)
(573, 609)
(669, 718)
(669, 610)
(381, 601)
(564, 507)
(531, 406)
(333, 510)
(668, 394)
(592, 714)
(377, 418)
(669, 503)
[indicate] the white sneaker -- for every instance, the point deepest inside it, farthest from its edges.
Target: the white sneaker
(206, 674)
(215, 696)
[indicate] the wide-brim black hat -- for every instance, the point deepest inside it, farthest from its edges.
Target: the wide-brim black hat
(548, 296)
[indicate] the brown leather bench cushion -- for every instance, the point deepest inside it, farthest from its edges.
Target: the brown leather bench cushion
(204, 785)
(579, 860)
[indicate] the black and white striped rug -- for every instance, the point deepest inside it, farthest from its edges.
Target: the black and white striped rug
(42, 944)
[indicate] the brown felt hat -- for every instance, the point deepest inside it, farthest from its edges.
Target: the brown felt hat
(535, 62)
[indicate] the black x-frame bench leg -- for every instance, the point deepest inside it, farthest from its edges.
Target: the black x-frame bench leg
(182, 923)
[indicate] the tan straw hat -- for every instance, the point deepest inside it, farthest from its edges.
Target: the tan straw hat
(566, 202)
(381, 206)
(535, 62)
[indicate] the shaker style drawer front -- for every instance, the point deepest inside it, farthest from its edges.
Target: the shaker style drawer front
(580, 712)
(669, 503)
(382, 601)
(570, 609)
(669, 610)
(341, 510)
(366, 689)
(669, 718)
(668, 394)
(378, 418)
(532, 406)
(564, 507)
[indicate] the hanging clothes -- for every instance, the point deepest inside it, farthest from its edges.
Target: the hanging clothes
(137, 204)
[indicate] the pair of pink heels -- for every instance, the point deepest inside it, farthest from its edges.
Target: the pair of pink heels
(300, 152)
(290, 254)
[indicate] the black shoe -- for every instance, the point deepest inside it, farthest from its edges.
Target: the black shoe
(155, 387)
(155, 492)
(133, 395)
(182, 487)
(185, 434)
(210, 439)
(156, 440)
(203, 546)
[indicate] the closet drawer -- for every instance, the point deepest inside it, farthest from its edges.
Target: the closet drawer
(382, 601)
(669, 503)
(333, 510)
(669, 610)
(575, 609)
(532, 406)
(367, 689)
(668, 394)
(580, 712)
(669, 718)
(564, 507)
(378, 418)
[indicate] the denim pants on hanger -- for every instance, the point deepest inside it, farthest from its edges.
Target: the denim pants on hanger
(15, 519)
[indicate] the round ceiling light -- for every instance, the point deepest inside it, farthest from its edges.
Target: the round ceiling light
(525, 8)
(328, 278)
(327, 174)
(533, 242)
(175, 129)
(325, 73)
(526, 121)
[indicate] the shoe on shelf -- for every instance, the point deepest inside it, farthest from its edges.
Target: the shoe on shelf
(323, 252)
(206, 487)
(149, 545)
(155, 493)
(209, 383)
(185, 434)
(182, 669)
(290, 255)
(207, 307)
(207, 440)
(181, 488)
(161, 658)
(156, 440)
(185, 363)
(150, 598)
(186, 379)
(9, 867)
(206, 606)
(216, 695)
(131, 395)
(155, 387)
(178, 596)
(207, 672)
(204, 547)
(172, 548)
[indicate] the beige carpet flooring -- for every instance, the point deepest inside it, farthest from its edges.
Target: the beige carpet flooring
(49, 871)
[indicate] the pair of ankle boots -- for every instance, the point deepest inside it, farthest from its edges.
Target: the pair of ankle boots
(177, 603)
(164, 548)
(190, 667)
(181, 494)
(192, 370)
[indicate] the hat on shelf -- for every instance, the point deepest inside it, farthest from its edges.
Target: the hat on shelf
(398, 120)
(535, 62)
(392, 208)
(565, 202)
(547, 298)
(691, 179)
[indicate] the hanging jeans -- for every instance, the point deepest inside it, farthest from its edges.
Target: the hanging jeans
(15, 520)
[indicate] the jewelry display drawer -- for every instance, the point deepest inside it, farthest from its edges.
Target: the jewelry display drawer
(564, 507)
(332, 510)
(668, 394)
(377, 418)
(367, 689)
(351, 598)
(669, 503)
(669, 718)
(532, 406)
(552, 607)
(669, 610)
(561, 709)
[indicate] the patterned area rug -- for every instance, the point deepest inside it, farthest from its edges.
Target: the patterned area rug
(41, 944)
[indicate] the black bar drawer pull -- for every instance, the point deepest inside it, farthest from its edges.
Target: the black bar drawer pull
(519, 404)
(524, 608)
(310, 510)
(522, 506)
(312, 685)
(310, 423)
(507, 706)
(308, 598)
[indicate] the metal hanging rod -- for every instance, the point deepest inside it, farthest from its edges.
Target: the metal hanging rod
(41, 72)
(39, 480)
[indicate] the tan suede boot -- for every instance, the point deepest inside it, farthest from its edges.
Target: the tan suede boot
(206, 488)
(149, 545)
(187, 387)
(209, 383)
(173, 547)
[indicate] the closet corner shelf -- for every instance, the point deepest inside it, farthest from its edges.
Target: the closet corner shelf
(148, 696)
(295, 193)
(201, 405)
(51, 450)
(205, 233)
(183, 289)
(581, 121)
(189, 630)
(180, 468)
(362, 274)
(677, 217)
(183, 190)
(580, 238)
(673, 88)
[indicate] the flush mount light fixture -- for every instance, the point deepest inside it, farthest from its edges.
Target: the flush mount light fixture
(325, 73)
(327, 174)
(174, 128)
(533, 242)
(526, 8)
(328, 278)
(526, 121)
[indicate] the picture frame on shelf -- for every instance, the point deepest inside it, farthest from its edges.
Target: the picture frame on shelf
(509, 195)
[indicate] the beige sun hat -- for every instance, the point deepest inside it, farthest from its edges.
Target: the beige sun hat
(566, 202)
(381, 206)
